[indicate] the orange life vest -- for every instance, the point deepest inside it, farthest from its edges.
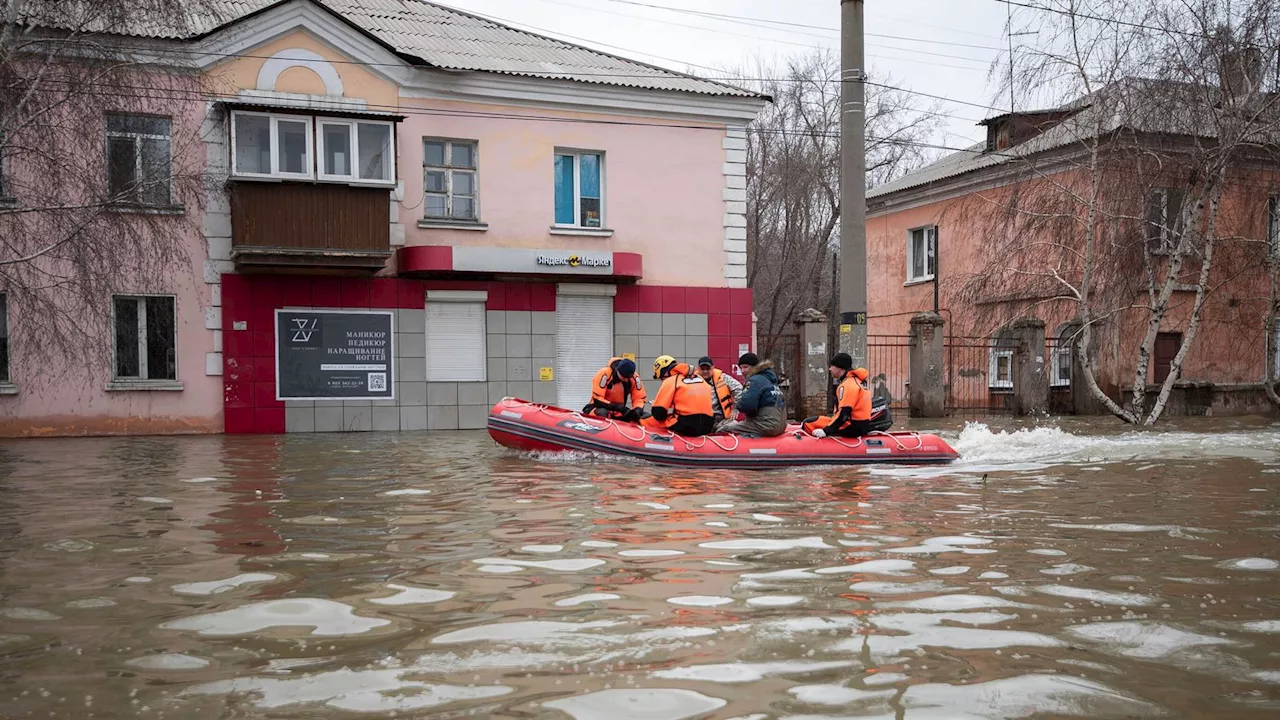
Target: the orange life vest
(683, 393)
(723, 393)
(606, 389)
(855, 395)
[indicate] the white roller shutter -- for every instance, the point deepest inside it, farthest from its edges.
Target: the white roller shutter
(455, 341)
(584, 344)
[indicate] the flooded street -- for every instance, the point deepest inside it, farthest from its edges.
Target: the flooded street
(1050, 573)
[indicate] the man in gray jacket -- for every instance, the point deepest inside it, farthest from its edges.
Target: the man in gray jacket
(762, 402)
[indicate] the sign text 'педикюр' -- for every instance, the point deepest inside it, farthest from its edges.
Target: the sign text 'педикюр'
(326, 354)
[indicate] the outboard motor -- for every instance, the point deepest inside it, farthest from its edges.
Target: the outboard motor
(881, 416)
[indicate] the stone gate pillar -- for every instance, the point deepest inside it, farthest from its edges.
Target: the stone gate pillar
(811, 327)
(1030, 373)
(927, 396)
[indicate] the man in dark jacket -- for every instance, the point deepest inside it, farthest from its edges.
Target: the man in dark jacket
(761, 401)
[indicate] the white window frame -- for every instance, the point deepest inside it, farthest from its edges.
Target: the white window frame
(275, 172)
(1000, 350)
(1168, 237)
(143, 373)
(455, 297)
(137, 156)
(1056, 379)
(448, 171)
(577, 189)
(6, 192)
(930, 238)
(323, 145)
(1275, 372)
(353, 134)
(6, 370)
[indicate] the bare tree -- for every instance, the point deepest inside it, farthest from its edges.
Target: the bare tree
(1117, 216)
(793, 180)
(102, 176)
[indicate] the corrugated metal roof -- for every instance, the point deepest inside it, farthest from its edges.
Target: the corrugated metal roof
(1156, 107)
(455, 40)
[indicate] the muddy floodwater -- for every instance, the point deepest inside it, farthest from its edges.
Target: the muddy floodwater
(1073, 571)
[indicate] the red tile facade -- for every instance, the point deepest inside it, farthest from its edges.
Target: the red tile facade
(249, 349)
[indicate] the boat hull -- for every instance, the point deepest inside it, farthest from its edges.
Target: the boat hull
(527, 426)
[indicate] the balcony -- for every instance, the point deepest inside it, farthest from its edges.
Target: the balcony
(330, 228)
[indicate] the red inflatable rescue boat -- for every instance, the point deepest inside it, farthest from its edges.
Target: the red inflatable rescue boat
(523, 425)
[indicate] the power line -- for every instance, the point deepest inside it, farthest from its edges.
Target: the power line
(774, 40)
(1112, 21)
(935, 97)
(750, 20)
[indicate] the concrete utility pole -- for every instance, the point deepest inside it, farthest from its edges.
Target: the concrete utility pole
(853, 185)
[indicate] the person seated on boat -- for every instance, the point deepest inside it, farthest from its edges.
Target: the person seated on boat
(612, 388)
(725, 390)
(852, 415)
(762, 402)
(683, 403)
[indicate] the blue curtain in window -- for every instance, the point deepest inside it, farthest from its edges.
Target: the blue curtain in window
(564, 190)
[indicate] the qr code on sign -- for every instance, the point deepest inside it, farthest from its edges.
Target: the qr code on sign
(377, 382)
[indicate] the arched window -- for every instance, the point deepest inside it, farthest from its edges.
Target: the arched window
(1060, 357)
(1000, 373)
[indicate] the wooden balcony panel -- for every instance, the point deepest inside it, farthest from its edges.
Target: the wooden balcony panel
(294, 226)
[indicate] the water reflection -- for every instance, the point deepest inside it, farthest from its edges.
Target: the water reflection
(331, 576)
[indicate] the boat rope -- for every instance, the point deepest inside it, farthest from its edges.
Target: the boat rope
(901, 446)
(690, 446)
(736, 442)
(856, 444)
(618, 426)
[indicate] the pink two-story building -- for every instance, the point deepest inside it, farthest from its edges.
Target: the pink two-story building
(416, 212)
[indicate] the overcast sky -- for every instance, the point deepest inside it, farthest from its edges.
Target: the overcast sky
(684, 41)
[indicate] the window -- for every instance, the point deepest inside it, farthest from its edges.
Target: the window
(455, 337)
(449, 180)
(1164, 219)
(921, 247)
(138, 160)
(271, 145)
(1167, 346)
(4, 338)
(1061, 357)
(580, 189)
(355, 150)
(1275, 369)
(1273, 225)
(146, 338)
(1001, 368)
(5, 190)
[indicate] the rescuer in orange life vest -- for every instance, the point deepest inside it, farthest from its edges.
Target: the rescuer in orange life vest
(683, 403)
(852, 415)
(612, 387)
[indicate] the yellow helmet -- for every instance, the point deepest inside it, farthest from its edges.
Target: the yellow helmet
(662, 365)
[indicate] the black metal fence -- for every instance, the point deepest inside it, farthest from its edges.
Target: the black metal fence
(889, 365)
(1058, 369)
(979, 376)
(789, 367)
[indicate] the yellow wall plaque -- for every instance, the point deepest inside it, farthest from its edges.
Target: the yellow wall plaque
(846, 328)
(629, 356)
(546, 374)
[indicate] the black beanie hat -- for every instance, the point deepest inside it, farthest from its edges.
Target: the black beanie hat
(842, 361)
(748, 359)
